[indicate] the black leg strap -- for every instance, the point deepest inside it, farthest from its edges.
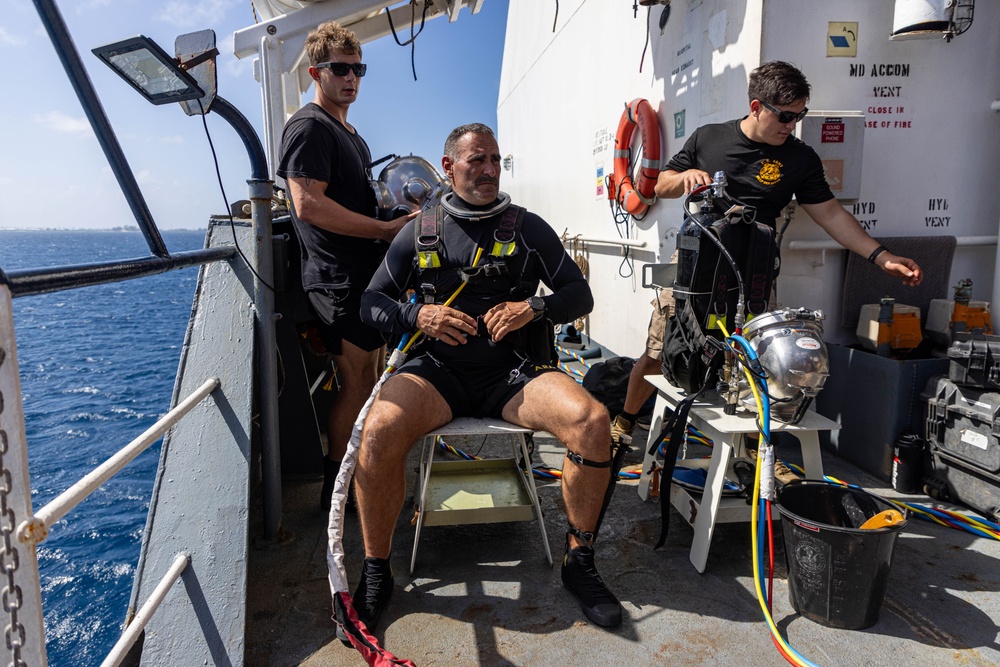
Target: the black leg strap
(585, 536)
(580, 461)
(674, 429)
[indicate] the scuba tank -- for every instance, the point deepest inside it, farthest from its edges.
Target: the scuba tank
(726, 266)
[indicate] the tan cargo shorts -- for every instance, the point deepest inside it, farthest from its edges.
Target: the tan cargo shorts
(663, 306)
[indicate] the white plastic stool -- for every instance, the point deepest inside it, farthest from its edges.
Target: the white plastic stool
(483, 491)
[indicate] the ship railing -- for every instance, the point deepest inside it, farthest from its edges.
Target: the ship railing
(36, 529)
(20, 586)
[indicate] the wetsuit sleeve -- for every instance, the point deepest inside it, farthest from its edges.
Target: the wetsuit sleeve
(571, 296)
(380, 305)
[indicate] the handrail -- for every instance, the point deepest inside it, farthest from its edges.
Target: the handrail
(138, 624)
(28, 282)
(830, 244)
(36, 529)
(628, 243)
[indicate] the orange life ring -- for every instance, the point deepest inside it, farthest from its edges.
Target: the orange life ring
(636, 199)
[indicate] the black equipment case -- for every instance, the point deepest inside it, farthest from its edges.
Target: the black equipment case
(975, 360)
(963, 433)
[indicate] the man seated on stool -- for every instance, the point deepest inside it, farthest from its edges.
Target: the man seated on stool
(475, 363)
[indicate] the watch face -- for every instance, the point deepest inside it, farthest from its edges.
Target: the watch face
(536, 303)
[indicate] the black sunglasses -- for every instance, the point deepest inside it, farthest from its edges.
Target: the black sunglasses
(785, 116)
(341, 69)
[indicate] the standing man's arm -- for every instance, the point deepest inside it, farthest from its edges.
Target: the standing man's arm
(672, 184)
(848, 232)
(311, 205)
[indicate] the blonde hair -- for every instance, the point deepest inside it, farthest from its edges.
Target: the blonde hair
(329, 37)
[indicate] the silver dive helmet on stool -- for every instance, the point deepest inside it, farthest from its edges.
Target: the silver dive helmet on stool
(789, 344)
(406, 185)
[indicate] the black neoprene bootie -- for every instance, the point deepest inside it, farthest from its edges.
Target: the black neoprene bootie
(372, 595)
(374, 590)
(580, 577)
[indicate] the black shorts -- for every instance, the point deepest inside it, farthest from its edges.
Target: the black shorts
(475, 389)
(339, 313)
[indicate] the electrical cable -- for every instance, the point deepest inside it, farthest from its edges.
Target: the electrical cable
(413, 37)
(229, 210)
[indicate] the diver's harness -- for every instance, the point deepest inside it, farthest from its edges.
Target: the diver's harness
(505, 263)
(711, 287)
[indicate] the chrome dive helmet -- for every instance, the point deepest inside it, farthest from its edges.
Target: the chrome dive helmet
(407, 184)
(789, 344)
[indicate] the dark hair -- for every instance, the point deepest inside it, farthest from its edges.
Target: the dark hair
(779, 83)
(331, 37)
(461, 131)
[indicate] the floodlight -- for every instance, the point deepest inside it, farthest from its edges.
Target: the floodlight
(148, 69)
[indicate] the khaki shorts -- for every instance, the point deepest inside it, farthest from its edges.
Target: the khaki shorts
(663, 306)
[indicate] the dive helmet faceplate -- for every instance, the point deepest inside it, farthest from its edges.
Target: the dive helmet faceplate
(789, 344)
(407, 184)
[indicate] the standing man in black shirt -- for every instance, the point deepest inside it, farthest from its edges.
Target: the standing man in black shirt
(326, 165)
(765, 165)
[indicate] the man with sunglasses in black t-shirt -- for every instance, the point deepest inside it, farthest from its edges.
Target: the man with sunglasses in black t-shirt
(765, 165)
(325, 163)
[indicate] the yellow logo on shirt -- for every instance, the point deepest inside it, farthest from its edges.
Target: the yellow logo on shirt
(770, 172)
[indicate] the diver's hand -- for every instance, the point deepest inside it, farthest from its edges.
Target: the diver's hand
(506, 317)
(693, 178)
(446, 324)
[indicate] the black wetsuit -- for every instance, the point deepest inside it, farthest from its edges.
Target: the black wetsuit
(335, 267)
(476, 379)
(757, 174)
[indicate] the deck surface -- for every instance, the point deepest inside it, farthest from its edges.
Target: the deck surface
(483, 595)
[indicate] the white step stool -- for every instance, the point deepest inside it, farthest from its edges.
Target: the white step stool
(484, 491)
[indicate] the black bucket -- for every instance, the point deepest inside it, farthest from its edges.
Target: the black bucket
(837, 573)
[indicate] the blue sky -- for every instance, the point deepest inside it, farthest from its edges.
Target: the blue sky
(54, 174)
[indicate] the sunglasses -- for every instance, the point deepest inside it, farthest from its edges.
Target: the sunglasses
(341, 69)
(785, 116)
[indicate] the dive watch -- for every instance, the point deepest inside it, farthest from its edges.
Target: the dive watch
(537, 307)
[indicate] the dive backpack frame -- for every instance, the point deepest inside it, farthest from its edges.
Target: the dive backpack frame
(726, 266)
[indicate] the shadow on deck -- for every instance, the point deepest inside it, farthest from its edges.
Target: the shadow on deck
(484, 595)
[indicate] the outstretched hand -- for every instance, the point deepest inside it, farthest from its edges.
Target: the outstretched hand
(905, 268)
(505, 317)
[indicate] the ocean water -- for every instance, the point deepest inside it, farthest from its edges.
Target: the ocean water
(97, 369)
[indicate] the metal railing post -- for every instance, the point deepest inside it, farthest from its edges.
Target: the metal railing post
(19, 581)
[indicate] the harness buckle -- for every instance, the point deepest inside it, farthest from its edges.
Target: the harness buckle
(428, 292)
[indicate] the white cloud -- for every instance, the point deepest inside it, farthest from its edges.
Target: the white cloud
(7, 38)
(187, 13)
(60, 122)
(175, 139)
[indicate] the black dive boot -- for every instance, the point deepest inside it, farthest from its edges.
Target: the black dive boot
(580, 577)
(372, 595)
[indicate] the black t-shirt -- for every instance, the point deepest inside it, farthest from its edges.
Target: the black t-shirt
(316, 145)
(759, 175)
